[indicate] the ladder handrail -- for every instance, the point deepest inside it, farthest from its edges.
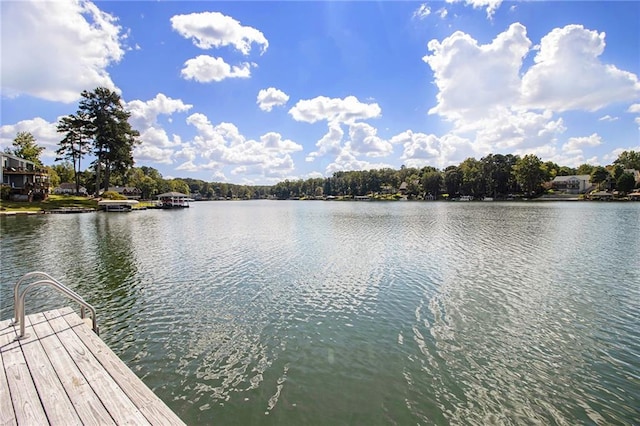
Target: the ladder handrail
(19, 299)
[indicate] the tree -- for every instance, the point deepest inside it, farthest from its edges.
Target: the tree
(599, 174)
(584, 169)
(75, 144)
(65, 171)
(625, 182)
(431, 182)
(112, 135)
(530, 174)
(452, 180)
(629, 160)
(25, 147)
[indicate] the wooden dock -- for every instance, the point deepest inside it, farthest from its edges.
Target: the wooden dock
(62, 373)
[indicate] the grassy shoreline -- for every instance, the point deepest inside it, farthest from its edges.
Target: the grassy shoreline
(51, 203)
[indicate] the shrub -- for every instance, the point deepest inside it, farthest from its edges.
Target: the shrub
(112, 195)
(5, 192)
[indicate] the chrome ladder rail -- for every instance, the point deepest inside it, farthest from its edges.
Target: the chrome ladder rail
(19, 299)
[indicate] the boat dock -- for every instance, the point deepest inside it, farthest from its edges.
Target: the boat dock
(62, 373)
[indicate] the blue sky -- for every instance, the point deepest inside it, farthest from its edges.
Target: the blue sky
(259, 92)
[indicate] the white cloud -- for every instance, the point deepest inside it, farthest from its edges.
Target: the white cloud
(608, 118)
(499, 107)
(153, 153)
(44, 132)
(205, 68)
(364, 140)
(273, 141)
(156, 146)
(330, 143)
(213, 29)
(271, 97)
(337, 110)
(575, 145)
(145, 113)
(567, 74)
(225, 145)
(420, 149)
(422, 11)
(347, 161)
(442, 12)
(473, 79)
(635, 108)
(57, 39)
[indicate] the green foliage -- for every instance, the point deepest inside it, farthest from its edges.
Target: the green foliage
(530, 174)
(584, 169)
(106, 122)
(599, 174)
(625, 183)
(112, 195)
(629, 160)
(25, 147)
(5, 192)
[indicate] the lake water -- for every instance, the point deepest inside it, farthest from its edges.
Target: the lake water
(292, 313)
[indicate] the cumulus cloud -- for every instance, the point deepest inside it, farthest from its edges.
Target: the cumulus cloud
(499, 107)
(347, 161)
(156, 145)
(44, 132)
(213, 29)
(271, 97)
(145, 113)
(567, 74)
(205, 69)
(420, 149)
(57, 39)
(334, 110)
(224, 144)
(575, 145)
(473, 79)
(364, 140)
(330, 143)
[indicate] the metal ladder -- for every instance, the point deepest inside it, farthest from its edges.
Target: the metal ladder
(46, 280)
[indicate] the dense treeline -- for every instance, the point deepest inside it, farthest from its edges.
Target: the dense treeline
(495, 175)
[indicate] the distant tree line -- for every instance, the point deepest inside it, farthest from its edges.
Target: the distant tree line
(495, 175)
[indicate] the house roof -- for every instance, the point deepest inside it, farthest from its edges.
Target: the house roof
(572, 177)
(172, 194)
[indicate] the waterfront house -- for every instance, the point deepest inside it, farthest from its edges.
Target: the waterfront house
(68, 188)
(130, 192)
(574, 184)
(24, 177)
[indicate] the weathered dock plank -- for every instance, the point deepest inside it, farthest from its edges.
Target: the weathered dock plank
(7, 415)
(62, 373)
(24, 397)
(119, 406)
(59, 410)
(85, 401)
(146, 401)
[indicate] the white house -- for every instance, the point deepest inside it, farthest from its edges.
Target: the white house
(574, 184)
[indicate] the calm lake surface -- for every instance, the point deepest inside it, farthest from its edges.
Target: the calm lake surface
(292, 313)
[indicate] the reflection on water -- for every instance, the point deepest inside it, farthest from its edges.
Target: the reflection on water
(359, 313)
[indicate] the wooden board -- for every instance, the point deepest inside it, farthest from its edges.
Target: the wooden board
(62, 373)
